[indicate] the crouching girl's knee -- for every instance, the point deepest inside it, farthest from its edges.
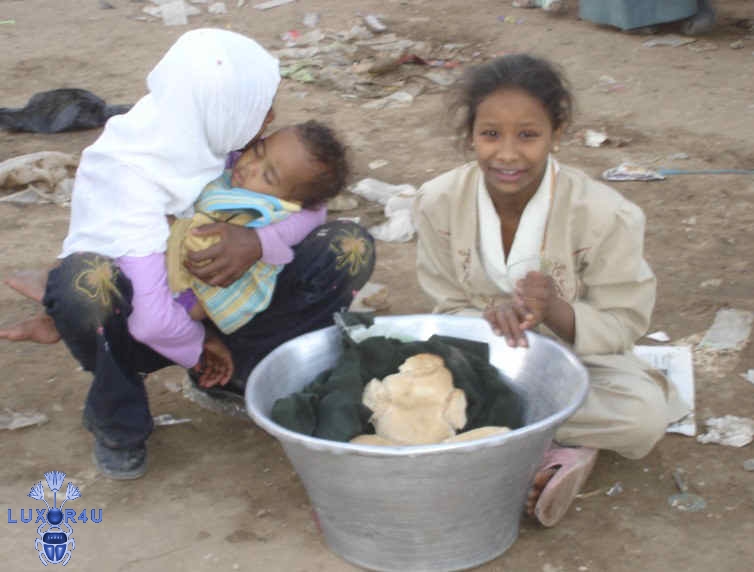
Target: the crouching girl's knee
(648, 422)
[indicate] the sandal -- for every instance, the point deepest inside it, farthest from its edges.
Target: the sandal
(573, 466)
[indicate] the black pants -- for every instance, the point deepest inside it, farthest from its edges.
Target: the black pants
(90, 301)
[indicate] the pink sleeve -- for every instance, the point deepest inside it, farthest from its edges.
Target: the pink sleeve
(278, 238)
(158, 320)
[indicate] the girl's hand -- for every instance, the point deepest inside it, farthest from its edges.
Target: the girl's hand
(506, 320)
(535, 294)
(226, 261)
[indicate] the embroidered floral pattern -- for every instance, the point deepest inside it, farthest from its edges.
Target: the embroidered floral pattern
(97, 281)
(352, 251)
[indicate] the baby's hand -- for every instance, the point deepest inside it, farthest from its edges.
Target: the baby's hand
(216, 363)
(535, 295)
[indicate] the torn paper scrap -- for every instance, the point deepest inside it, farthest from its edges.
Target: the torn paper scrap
(675, 363)
(730, 330)
(728, 430)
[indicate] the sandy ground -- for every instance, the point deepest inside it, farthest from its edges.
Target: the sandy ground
(219, 494)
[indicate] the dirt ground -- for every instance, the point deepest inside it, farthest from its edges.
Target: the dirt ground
(219, 494)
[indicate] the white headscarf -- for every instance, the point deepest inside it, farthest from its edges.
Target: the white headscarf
(208, 95)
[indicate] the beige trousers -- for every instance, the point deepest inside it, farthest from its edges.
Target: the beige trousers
(627, 409)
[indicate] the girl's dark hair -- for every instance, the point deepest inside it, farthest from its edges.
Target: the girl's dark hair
(326, 149)
(536, 76)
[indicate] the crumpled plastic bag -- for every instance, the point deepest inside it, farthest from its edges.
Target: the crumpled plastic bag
(65, 109)
(43, 177)
(728, 430)
(399, 203)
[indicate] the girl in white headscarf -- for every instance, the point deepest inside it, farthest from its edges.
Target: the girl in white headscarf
(108, 298)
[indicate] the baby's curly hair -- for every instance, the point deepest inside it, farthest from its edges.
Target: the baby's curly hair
(326, 149)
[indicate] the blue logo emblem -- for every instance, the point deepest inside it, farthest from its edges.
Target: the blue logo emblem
(55, 542)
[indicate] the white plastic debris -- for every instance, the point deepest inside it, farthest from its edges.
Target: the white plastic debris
(272, 4)
(397, 228)
(730, 330)
(378, 164)
(342, 202)
(396, 99)
(167, 419)
(374, 24)
(728, 430)
(631, 172)
(594, 138)
(749, 376)
(43, 177)
(380, 192)
(311, 19)
(174, 13)
(659, 337)
(217, 8)
(17, 419)
(671, 40)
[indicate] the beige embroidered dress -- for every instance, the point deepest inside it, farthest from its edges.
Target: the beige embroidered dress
(590, 240)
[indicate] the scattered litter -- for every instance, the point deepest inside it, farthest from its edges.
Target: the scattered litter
(353, 219)
(217, 8)
(730, 330)
(609, 84)
(56, 110)
(263, 512)
(172, 386)
(737, 45)
(43, 177)
(342, 202)
(397, 228)
(379, 191)
(378, 164)
(374, 24)
(615, 490)
(705, 46)
(7, 22)
(728, 430)
(104, 5)
(678, 156)
(675, 363)
(631, 172)
(371, 298)
(671, 40)
(691, 221)
(511, 20)
(594, 138)
(225, 404)
(167, 419)
(712, 283)
(659, 337)
(749, 465)
(17, 420)
(685, 501)
(397, 99)
(311, 19)
(272, 4)
(440, 77)
(748, 376)
(174, 13)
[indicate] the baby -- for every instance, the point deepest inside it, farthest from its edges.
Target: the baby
(296, 167)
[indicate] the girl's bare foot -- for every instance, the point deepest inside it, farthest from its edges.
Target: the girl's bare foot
(540, 482)
(30, 283)
(40, 329)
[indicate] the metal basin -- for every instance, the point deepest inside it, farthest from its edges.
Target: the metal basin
(429, 507)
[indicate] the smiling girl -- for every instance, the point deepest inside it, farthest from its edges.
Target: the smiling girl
(528, 243)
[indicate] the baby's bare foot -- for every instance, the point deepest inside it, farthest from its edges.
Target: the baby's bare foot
(30, 283)
(40, 329)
